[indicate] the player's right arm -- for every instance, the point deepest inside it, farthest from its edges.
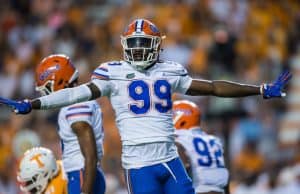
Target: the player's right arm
(99, 86)
(67, 97)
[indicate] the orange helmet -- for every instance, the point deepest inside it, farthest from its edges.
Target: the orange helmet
(141, 42)
(55, 72)
(186, 114)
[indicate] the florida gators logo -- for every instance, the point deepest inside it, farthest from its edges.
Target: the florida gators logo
(48, 72)
(154, 28)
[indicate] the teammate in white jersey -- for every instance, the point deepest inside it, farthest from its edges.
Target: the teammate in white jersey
(80, 127)
(140, 89)
(201, 152)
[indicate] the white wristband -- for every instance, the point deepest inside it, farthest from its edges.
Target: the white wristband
(262, 89)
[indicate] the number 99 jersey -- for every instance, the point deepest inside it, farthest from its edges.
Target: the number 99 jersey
(206, 157)
(142, 99)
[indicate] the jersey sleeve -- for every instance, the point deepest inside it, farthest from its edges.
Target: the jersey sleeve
(183, 81)
(79, 113)
(101, 77)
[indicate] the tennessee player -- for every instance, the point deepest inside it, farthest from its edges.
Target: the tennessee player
(140, 89)
(201, 153)
(40, 173)
(80, 127)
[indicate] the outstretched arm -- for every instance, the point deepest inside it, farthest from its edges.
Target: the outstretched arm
(222, 89)
(67, 96)
(57, 99)
(232, 89)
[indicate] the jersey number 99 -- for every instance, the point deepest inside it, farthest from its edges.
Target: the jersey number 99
(142, 94)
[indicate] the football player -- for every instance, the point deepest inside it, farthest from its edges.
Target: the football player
(80, 127)
(140, 89)
(40, 173)
(200, 152)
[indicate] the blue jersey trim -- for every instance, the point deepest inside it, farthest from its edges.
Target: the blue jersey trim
(78, 107)
(79, 114)
(99, 74)
(103, 69)
(114, 63)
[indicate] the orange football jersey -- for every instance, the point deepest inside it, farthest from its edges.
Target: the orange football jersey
(59, 184)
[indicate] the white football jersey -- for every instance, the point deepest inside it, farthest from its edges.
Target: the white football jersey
(142, 101)
(89, 112)
(207, 161)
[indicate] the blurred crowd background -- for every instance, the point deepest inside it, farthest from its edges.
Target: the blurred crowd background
(239, 40)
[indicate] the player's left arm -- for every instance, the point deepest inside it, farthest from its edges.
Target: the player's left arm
(233, 89)
(221, 88)
(87, 143)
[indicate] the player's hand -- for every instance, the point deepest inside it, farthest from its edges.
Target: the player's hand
(275, 89)
(19, 107)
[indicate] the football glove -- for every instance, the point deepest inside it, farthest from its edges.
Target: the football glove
(275, 89)
(19, 107)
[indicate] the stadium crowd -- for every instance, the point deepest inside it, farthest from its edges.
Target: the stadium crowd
(239, 40)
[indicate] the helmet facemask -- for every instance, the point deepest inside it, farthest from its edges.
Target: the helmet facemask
(37, 168)
(36, 184)
(46, 89)
(141, 51)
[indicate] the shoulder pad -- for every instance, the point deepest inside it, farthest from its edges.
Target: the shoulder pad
(173, 68)
(114, 63)
(101, 72)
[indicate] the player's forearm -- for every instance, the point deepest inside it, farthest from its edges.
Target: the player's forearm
(232, 89)
(222, 89)
(63, 98)
(89, 174)
(87, 143)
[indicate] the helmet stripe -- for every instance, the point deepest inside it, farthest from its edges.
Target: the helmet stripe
(139, 25)
(142, 25)
(135, 26)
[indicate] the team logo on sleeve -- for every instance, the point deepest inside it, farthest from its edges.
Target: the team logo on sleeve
(130, 75)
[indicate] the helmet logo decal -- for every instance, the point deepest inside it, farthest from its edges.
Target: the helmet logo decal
(126, 30)
(50, 70)
(183, 111)
(37, 159)
(154, 29)
(130, 75)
